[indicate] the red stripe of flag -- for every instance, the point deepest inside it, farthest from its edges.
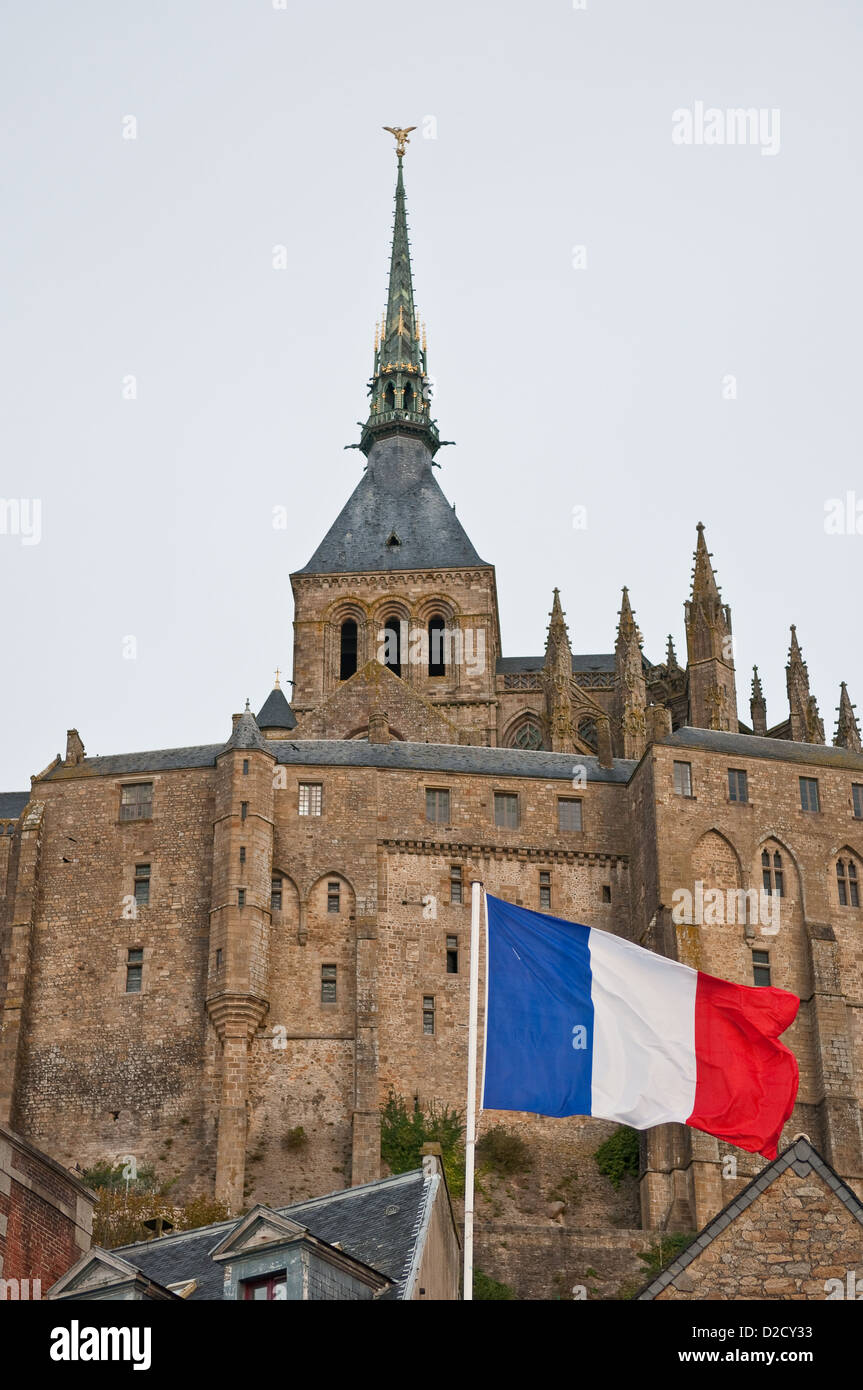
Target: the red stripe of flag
(746, 1080)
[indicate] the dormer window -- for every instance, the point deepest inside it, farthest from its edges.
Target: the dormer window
(392, 540)
(272, 1288)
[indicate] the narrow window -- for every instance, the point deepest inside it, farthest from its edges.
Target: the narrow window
(408, 397)
(544, 889)
(809, 794)
(437, 805)
(218, 957)
(857, 800)
(390, 397)
(761, 967)
(606, 892)
(506, 810)
(452, 955)
(245, 767)
(847, 883)
(392, 646)
(333, 897)
(772, 876)
(738, 788)
(242, 854)
(683, 779)
(437, 638)
(276, 895)
(428, 1013)
(244, 810)
(136, 801)
(311, 798)
(348, 650)
(455, 884)
(328, 984)
(568, 813)
(134, 971)
(241, 897)
(142, 885)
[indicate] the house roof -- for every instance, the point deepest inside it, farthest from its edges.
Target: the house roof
(799, 1156)
(12, 804)
(397, 499)
(603, 661)
(337, 752)
(778, 749)
(380, 1223)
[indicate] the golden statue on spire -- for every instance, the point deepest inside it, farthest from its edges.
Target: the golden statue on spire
(401, 135)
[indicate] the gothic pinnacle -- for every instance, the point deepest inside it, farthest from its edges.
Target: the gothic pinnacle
(703, 578)
(847, 729)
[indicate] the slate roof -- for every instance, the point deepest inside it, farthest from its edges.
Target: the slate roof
(12, 804)
(245, 733)
(337, 752)
(362, 1219)
(604, 661)
(778, 749)
(276, 713)
(804, 1160)
(398, 493)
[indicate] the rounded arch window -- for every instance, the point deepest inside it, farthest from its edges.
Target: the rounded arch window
(392, 653)
(437, 646)
(528, 735)
(347, 649)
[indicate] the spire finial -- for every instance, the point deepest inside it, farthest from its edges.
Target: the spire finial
(401, 133)
(277, 686)
(247, 702)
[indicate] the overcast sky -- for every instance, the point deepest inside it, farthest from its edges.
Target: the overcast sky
(598, 378)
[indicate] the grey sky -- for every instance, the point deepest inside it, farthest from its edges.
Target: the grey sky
(599, 387)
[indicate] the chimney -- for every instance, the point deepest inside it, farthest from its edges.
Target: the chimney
(658, 723)
(74, 748)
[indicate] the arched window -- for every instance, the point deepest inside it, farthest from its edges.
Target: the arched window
(348, 650)
(390, 397)
(437, 652)
(408, 397)
(771, 874)
(848, 883)
(528, 735)
(587, 733)
(392, 646)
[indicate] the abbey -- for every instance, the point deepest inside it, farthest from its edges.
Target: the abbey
(219, 959)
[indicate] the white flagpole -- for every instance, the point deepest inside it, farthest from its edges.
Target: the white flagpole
(470, 1129)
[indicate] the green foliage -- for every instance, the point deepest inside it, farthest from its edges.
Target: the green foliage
(485, 1289)
(504, 1152)
(122, 1209)
(617, 1158)
(111, 1177)
(667, 1248)
(295, 1139)
(404, 1130)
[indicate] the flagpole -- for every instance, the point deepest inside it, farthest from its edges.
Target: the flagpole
(470, 1129)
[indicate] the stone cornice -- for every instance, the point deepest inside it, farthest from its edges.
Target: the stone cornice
(389, 579)
(468, 849)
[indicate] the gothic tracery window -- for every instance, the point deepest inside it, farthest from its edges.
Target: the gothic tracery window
(528, 735)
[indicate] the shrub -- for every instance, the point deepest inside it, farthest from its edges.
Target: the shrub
(405, 1130)
(485, 1289)
(504, 1151)
(295, 1139)
(617, 1158)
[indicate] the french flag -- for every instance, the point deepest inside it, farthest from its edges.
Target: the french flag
(581, 1022)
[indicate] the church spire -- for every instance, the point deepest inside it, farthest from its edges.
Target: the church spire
(399, 387)
(806, 723)
(847, 730)
(630, 699)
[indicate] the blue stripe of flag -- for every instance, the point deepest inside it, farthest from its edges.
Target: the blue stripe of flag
(539, 1020)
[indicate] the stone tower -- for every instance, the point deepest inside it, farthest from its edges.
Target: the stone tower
(396, 583)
